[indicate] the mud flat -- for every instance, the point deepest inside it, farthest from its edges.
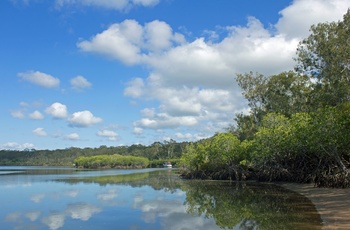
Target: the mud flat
(333, 205)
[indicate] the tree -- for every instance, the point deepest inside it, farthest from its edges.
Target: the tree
(285, 93)
(254, 90)
(325, 56)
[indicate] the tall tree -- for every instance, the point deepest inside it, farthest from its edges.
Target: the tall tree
(325, 55)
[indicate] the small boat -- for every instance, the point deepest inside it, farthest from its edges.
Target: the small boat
(167, 165)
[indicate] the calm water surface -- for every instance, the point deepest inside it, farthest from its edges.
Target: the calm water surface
(67, 198)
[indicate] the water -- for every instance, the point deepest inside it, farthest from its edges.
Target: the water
(67, 198)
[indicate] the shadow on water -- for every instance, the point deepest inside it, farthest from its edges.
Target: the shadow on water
(232, 205)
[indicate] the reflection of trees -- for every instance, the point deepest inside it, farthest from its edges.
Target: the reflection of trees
(250, 205)
(166, 180)
(244, 205)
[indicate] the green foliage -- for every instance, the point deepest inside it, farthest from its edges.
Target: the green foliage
(218, 157)
(65, 157)
(111, 161)
(306, 147)
(325, 55)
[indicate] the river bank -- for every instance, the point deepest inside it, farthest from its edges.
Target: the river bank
(333, 205)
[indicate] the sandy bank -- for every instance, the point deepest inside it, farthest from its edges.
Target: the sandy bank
(332, 204)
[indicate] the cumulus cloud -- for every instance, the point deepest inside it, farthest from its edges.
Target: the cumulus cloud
(296, 19)
(17, 114)
(36, 115)
(137, 130)
(73, 136)
(40, 79)
(17, 146)
(111, 135)
(194, 80)
(57, 110)
(163, 121)
(80, 82)
(109, 4)
(126, 41)
(83, 119)
(40, 132)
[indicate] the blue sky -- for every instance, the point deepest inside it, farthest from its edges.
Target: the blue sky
(86, 73)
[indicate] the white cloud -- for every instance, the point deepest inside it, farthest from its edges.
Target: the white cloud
(36, 115)
(120, 41)
(146, 2)
(57, 110)
(297, 18)
(108, 4)
(148, 112)
(135, 88)
(17, 146)
(23, 104)
(111, 135)
(17, 114)
(127, 40)
(164, 120)
(137, 130)
(40, 79)
(40, 132)
(73, 136)
(184, 136)
(80, 82)
(158, 35)
(83, 119)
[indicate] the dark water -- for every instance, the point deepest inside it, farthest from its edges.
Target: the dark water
(66, 198)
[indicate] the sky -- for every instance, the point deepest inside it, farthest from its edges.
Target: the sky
(87, 73)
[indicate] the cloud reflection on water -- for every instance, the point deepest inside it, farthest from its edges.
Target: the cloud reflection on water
(33, 216)
(109, 195)
(54, 220)
(72, 193)
(90, 205)
(37, 197)
(171, 214)
(82, 211)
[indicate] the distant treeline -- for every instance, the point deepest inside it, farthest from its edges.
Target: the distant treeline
(111, 161)
(156, 153)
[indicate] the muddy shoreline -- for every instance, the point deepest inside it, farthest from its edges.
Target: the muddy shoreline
(333, 205)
